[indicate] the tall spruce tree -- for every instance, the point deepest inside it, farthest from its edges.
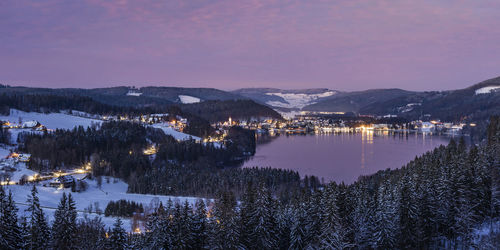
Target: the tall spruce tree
(10, 232)
(118, 236)
(64, 227)
(38, 227)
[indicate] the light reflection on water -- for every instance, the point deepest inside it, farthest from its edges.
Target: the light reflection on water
(344, 156)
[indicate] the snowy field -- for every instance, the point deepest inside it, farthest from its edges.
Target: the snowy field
(487, 90)
(50, 120)
(186, 99)
(112, 191)
(176, 134)
(4, 151)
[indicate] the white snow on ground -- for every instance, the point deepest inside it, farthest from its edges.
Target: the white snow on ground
(21, 170)
(176, 134)
(50, 120)
(4, 152)
(297, 100)
(487, 90)
(134, 93)
(112, 191)
(186, 99)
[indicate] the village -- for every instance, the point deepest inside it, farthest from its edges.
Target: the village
(336, 122)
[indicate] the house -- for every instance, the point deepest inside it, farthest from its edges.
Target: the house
(24, 157)
(65, 181)
(427, 127)
(30, 124)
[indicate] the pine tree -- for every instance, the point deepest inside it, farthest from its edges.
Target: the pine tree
(387, 217)
(38, 227)
(199, 226)
(118, 236)
(64, 226)
(266, 228)
(298, 229)
(224, 224)
(10, 232)
(332, 233)
(248, 218)
(25, 234)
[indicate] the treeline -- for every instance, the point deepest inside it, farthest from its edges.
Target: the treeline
(55, 103)
(215, 111)
(123, 208)
(4, 135)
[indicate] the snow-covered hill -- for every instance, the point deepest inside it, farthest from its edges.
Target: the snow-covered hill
(487, 90)
(186, 99)
(50, 120)
(113, 190)
(176, 134)
(297, 100)
(286, 99)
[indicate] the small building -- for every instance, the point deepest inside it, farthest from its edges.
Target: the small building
(30, 124)
(24, 157)
(427, 127)
(65, 181)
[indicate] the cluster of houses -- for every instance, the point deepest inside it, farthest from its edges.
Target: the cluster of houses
(24, 125)
(437, 126)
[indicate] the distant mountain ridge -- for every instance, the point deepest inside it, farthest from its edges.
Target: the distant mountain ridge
(201, 102)
(479, 100)
(283, 99)
(123, 96)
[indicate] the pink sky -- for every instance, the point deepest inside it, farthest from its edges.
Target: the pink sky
(344, 45)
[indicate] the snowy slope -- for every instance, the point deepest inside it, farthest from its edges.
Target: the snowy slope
(176, 134)
(112, 191)
(487, 90)
(186, 99)
(297, 100)
(4, 152)
(51, 120)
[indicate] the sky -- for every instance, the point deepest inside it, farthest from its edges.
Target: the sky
(342, 45)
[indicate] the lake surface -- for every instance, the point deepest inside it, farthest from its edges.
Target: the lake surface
(341, 157)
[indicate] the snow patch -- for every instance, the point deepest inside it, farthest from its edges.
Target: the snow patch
(186, 99)
(297, 100)
(487, 90)
(176, 134)
(50, 120)
(133, 93)
(4, 152)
